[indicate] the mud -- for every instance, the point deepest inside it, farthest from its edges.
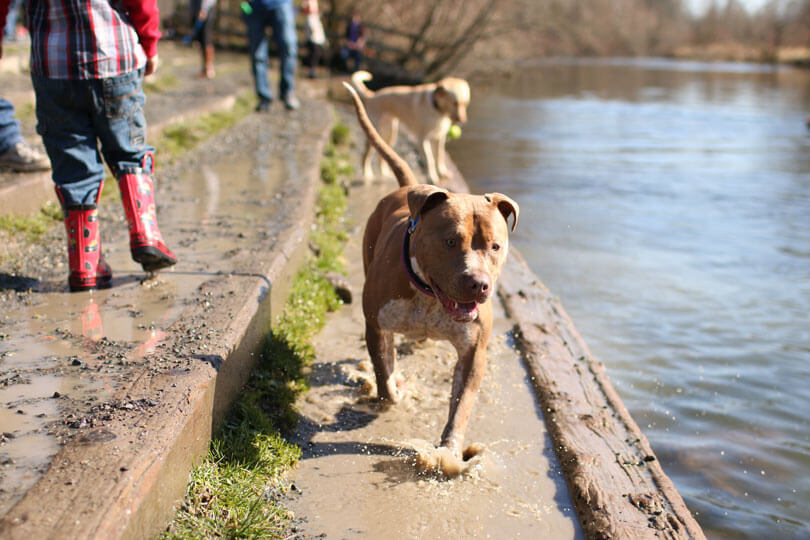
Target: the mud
(360, 474)
(63, 356)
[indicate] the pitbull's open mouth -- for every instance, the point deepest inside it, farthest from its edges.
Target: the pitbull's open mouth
(458, 311)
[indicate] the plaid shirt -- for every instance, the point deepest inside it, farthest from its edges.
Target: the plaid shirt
(91, 39)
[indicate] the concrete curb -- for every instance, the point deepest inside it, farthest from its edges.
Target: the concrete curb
(124, 480)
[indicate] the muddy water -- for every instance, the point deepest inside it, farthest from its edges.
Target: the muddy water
(70, 352)
(358, 478)
(668, 205)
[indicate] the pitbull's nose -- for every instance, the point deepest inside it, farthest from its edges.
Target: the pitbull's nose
(479, 285)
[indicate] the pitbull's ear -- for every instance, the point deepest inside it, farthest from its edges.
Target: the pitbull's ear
(423, 197)
(506, 206)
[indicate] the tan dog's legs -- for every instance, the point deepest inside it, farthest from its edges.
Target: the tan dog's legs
(430, 163)
(368, 173)
(441, 166)
(389, 133)
(384, 357)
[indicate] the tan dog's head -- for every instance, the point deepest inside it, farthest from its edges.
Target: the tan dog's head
(452, 97)
(460, 244)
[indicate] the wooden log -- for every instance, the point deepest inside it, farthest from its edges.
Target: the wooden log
(618, 486)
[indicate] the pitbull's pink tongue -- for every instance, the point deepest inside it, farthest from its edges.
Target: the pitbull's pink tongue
(459, 311)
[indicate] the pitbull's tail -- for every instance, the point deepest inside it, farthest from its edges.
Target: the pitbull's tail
(359, 79)
(399, 166)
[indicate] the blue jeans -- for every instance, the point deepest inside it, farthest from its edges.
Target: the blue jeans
(282, 21)
(11, 19)
(9, 126)
(73, 116)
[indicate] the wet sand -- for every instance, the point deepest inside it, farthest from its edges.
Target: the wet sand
(358, 476)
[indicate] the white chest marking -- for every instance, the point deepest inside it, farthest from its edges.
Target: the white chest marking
(423, 317)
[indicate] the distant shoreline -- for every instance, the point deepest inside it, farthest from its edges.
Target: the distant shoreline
(736, 52)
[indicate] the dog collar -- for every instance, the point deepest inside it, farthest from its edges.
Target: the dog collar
(416, 281)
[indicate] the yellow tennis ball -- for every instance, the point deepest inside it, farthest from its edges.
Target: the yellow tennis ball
(454, 132)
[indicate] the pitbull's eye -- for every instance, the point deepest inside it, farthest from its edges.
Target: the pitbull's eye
(496, 247)
(450, 242)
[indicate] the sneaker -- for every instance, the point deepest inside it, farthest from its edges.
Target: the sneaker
(263, 106)
(23, 158)
(291, 102)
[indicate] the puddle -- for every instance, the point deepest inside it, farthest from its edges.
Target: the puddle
(70, 352)
(357, 477)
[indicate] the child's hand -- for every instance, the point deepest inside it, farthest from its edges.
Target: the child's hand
(151, 65)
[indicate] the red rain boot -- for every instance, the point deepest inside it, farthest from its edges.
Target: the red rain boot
(88, 270)
(145, 241)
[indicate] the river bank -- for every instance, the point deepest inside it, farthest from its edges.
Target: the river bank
(119, 390)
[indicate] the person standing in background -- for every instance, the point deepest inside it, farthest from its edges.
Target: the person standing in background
(316, 37)
(280, 16)
(88, 60)
(202, 21)
(10, 28)
(15, 154)
(354, 43)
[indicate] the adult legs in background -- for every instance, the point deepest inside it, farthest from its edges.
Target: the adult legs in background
(15, 154)
(11, 20)
(315, 51)
(257, 46)
(283, 23)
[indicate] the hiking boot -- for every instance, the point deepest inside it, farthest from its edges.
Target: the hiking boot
(145, 241)
(263, 106)
(23, 158)
(88, 270)
(291, 102)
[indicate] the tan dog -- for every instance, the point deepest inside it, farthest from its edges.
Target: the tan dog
(427, 110)
(431, 259)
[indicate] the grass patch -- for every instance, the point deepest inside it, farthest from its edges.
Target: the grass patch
(166, 80)
(26, 113)
(178, 138)
(234, 492)
(336, 162)
(35, 225)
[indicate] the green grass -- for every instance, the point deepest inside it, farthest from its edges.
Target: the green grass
(178, 138)
(35, 225)
(336, 161)
(164, 80)
(233, 492)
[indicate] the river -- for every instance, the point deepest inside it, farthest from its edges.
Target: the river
(667, 204)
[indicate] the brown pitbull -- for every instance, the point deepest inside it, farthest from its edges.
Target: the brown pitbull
(431, 259)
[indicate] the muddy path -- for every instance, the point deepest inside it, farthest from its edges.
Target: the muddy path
(357, 477)
(65, 357)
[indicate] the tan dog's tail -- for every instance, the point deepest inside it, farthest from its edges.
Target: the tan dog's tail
(399, 166)
(359, 79)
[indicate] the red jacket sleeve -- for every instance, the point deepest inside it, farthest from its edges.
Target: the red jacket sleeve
(145, 18)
